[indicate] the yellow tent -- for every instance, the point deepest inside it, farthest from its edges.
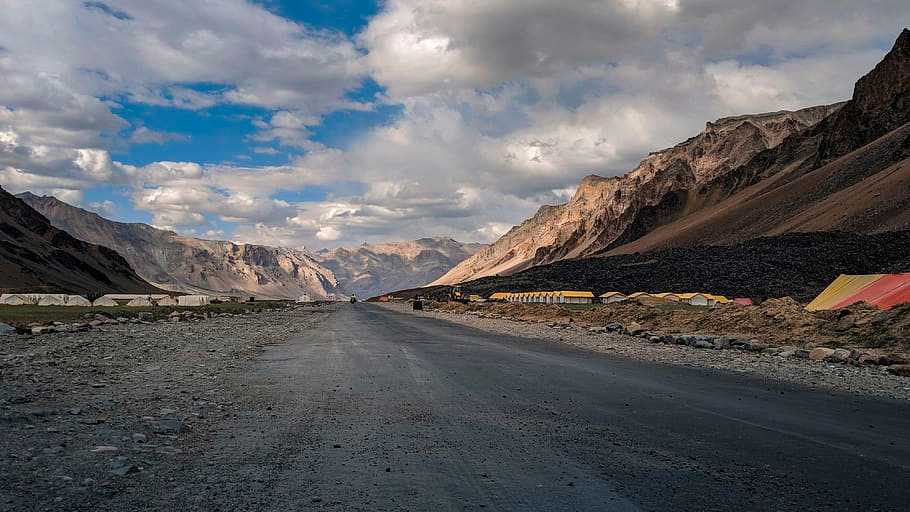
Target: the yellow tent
(843, 286)
(500, 296)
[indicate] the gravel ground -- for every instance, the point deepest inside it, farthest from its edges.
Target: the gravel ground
(89, 420)
(866, 380)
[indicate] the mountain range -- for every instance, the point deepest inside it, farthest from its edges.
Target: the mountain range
(370, 270)
(37, 257)
(834, 167)
(185, 264)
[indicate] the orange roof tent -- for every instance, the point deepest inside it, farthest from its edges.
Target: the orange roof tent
(885, 293)
(881, 290)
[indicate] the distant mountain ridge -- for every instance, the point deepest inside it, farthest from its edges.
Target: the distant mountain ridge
(837, 167)
(36, 257)
(605, 210)
(185, 264)
(849, 172)
(370, 270)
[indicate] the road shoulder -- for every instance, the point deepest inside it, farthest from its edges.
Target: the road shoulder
(861, 380)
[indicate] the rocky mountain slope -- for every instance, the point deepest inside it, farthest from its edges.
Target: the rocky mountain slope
(850, 172)
(838, 167)
(798, 265)
(37, 257)
(371, 270)
(606, 210)
(180, 263)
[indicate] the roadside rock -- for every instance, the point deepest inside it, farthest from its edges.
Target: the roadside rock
(840, 355)
(634, 328)
(902, 370)
(820, 353)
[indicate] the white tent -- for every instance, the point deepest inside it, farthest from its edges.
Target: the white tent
(611, 297)
(104, 301)
(15, 299)
(77, 300)
(167, 301)
(51, 299)
(696, 299)
(144, 300)
(194, 300)
(131, 296)
(305, 298)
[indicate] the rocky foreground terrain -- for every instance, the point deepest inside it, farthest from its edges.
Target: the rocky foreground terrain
(90, 420)
(774, 341)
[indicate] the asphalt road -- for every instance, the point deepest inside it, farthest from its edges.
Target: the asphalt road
(380, 410)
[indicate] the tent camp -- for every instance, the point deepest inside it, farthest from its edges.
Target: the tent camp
(104, 301)
(130, 296)
(667, 296)
(553, 297)
(77, 300)
(305, 298)
(881, 290)
(194, 300)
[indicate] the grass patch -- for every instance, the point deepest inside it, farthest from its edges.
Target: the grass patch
(21, 316)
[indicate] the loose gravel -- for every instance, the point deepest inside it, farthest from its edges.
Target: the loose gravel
(88, 417)
(866, 380)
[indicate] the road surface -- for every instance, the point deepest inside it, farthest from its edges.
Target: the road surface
(382, 410)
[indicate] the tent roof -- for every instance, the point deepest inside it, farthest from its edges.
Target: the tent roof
(692, 295)
(840, 289)
(611, 294)
(884, 292)
(574, 293)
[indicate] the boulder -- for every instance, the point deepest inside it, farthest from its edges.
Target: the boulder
(615, 327)
(722, 342)
(902, 370)
(840, 355)
(820, 353)
(634, 328)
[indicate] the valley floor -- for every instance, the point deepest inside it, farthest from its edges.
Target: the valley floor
(361, 407)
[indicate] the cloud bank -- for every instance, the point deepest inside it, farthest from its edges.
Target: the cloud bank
(501, 106)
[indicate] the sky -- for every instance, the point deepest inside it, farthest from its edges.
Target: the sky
(324, 123)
